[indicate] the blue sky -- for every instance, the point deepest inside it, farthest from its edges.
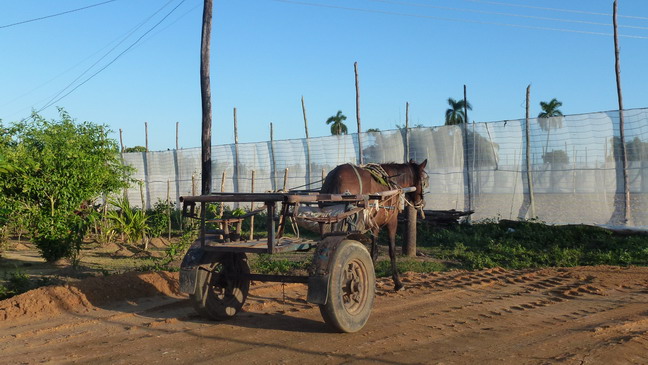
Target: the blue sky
(266, 54)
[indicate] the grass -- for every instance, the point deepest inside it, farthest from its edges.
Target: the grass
(528, 244)
(506, 244)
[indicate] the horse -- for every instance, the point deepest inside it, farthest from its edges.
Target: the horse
(354, 179)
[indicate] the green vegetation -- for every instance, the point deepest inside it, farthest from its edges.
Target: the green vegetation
(528, 244)
(455, 114)
(63, 167)
(135, 149)
(337, 124)
(550, 118)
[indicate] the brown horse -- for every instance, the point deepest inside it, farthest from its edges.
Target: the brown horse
(353, 179)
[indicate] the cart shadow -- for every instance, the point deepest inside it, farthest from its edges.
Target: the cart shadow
(279, 322)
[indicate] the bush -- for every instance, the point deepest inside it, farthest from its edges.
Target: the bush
(62, 165)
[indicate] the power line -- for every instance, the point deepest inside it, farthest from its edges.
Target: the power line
(504, 14)
(454, 19)
(113, 60)
(54, 15)
(125, 37)
(554, 9)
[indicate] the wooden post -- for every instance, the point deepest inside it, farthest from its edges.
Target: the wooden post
(236, 156)
(177, 134)
(407, 133)
(141, 189)
(285, 183)
(193, 185)
(121, 140)
(272, 157)
(121, 156)
(146, 135)
(357, 87)
(624, 153)
(222, 189)
(308, 157)
(252, 208)
(205, 93)
(409, 249)
(527, 129)
(169, 205)
(467, 164)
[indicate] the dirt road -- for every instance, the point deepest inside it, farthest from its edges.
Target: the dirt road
(595, 315)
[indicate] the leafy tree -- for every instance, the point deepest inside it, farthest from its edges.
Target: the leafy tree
(337, 124)
(549, 110)
(549, 119)
(135, 149)
(62, 165)
(555, 156)
(636, 149)
(455, 114)
(370, 130)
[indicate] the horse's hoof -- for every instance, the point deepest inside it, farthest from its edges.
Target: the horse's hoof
(399, 287)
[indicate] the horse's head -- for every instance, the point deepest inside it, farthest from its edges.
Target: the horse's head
(421, 182)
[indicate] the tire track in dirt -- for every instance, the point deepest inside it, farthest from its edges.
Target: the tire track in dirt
(595, 315)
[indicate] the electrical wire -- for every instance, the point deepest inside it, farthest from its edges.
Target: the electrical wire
(554, 9)
(504, 14)
(374, 11)
(55, 15)
(124, 38)
(113, 60)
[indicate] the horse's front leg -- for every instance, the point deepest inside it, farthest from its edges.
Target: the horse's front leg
(374, 245)
(391, 228)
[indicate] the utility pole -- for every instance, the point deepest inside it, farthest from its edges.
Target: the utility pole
(205, 92)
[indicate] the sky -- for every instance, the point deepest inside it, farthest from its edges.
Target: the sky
(126, 62)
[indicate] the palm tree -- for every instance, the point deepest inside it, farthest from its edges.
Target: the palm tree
(456, 115)
(548, 118)
(337, 125)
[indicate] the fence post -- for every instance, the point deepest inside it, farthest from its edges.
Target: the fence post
(236, 157)
(273, 174)
(528, 152)
(285, 182)
(357, 87)
(627, 215)
(409, 248)
(468, 182)
(308, 157)
(252, 208)
(407, 133)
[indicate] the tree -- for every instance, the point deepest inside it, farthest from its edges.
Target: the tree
(550, 117)
(63, 165)
(455, 114)
(372, 130)
(135, 149)
(337, 123)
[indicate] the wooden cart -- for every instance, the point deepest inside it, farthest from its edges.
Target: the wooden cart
(341, 280)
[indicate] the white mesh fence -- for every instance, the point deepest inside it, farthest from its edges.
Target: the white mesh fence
(575, 167)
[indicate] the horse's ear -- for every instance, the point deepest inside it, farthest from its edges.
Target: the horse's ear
(423, 164)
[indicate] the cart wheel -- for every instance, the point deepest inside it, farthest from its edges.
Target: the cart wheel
(352, 286)
(220, 290)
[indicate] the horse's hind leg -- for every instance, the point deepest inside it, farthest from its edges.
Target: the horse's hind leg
(391, 227)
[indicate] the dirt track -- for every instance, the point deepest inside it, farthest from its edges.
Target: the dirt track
(595, 315)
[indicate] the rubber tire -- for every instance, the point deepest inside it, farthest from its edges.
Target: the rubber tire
(207, 301)
(334, 312)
